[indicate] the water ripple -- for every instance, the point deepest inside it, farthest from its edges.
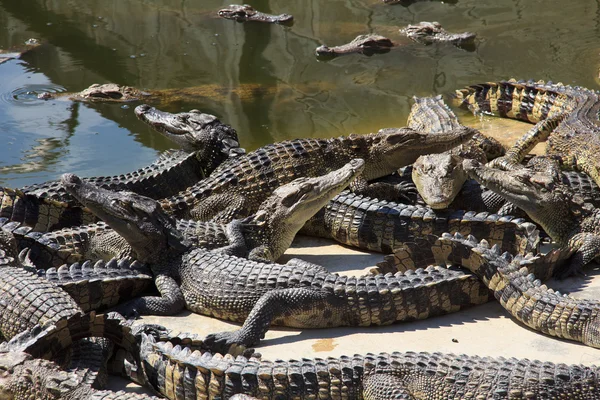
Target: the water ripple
(28, 94)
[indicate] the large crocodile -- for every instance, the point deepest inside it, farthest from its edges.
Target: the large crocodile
(439, 177)
(539, 191)
(178, 368)
(237, 188)
(245, 12)
(244, 290)
(364, 44)
(565, 116)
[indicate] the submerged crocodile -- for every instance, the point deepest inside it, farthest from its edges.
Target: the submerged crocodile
(565, 116)
(18, 51)
(439, 177)
(245, 12)
(237, 188)
(364, 44)
(539, 191)
(178, 368)
(432, 32)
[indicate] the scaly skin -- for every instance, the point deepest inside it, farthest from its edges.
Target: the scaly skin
(439, 177)
(236, 189)
(264, 236)
(176, 368)
(539, 191)
(26, 373)
(381, 226)
(431, 32)
(519, 291)
(244, 12)
(364, 44)
(565, 116)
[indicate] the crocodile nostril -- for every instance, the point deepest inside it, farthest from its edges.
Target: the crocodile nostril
(142, 109)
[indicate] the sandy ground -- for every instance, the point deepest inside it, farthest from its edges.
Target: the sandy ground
(484, 330)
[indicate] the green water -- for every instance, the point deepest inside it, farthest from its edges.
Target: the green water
(175, 44)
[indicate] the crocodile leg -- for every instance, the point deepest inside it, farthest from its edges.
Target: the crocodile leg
(235, 236)
(403, 191)
(539, 133)
(312, 307)
(170, 302)
(587, 248)
(384, 386)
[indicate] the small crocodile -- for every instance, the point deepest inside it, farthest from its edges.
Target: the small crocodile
(378, 225)
(439, 177)
(237, 188)
(364, 44)
(565, 116)
(26, 373)
(432, 32)
(18, 51)
(245, 12)
(539, 191)
(178, 368)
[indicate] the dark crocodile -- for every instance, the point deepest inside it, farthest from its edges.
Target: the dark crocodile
(176, 368)
(237, 188)
(439, 177)
(364, 44)
(378, 225)
(565, 116)
(539, 191)
(432, 32)
(264, 236)
(245, 12)
(26, 373)
(18, 51)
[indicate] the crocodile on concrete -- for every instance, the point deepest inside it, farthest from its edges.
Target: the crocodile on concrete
(245, 12)
(240, 290)
(364, 44)
(26, 372)
(539, 191)
(432, 32)
(519, 290)
(236, 189)
(379, 225)
(564, 116)
(439, 177)
(264, 236)
(177, 368)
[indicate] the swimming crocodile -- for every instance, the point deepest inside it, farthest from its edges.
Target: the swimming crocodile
(364, 44)
(179, 368)
(439, 177)
(237, 188)
(432, 32)
(245, 12)
(18, 51)
(564, 116)
(539, 191)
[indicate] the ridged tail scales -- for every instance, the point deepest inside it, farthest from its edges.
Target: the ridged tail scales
(178, 368)
(382, 226)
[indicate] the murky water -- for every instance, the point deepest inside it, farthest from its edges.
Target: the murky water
(287, 92)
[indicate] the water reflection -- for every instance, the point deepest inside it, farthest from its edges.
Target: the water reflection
(262, 79)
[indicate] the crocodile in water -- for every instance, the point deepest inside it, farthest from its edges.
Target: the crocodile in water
(364, 44)
(432, 32)
(245, 12)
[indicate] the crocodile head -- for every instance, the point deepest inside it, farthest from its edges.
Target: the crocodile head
(245, 12)
(393, 148)
(108, 93)
(212, 140)
(139, 219)
(283, 214)
(438, 178)
(429, 32)
(538, 190)
(364, 44)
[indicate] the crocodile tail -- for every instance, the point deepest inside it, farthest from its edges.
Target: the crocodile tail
(525, 101)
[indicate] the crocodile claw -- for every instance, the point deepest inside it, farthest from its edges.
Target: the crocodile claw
(224, 342)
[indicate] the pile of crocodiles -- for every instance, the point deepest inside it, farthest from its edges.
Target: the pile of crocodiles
(459, 218)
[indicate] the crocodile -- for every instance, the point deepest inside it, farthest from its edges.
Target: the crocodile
(245, 12)
(239, 289)
(237, 188)
(432, 32)
(564, 116)
(364, 44)
(18, 51)
(26, 372)
(263, 236)
(381, 226)
(439, 177)
(539, 191)
(179, 368)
